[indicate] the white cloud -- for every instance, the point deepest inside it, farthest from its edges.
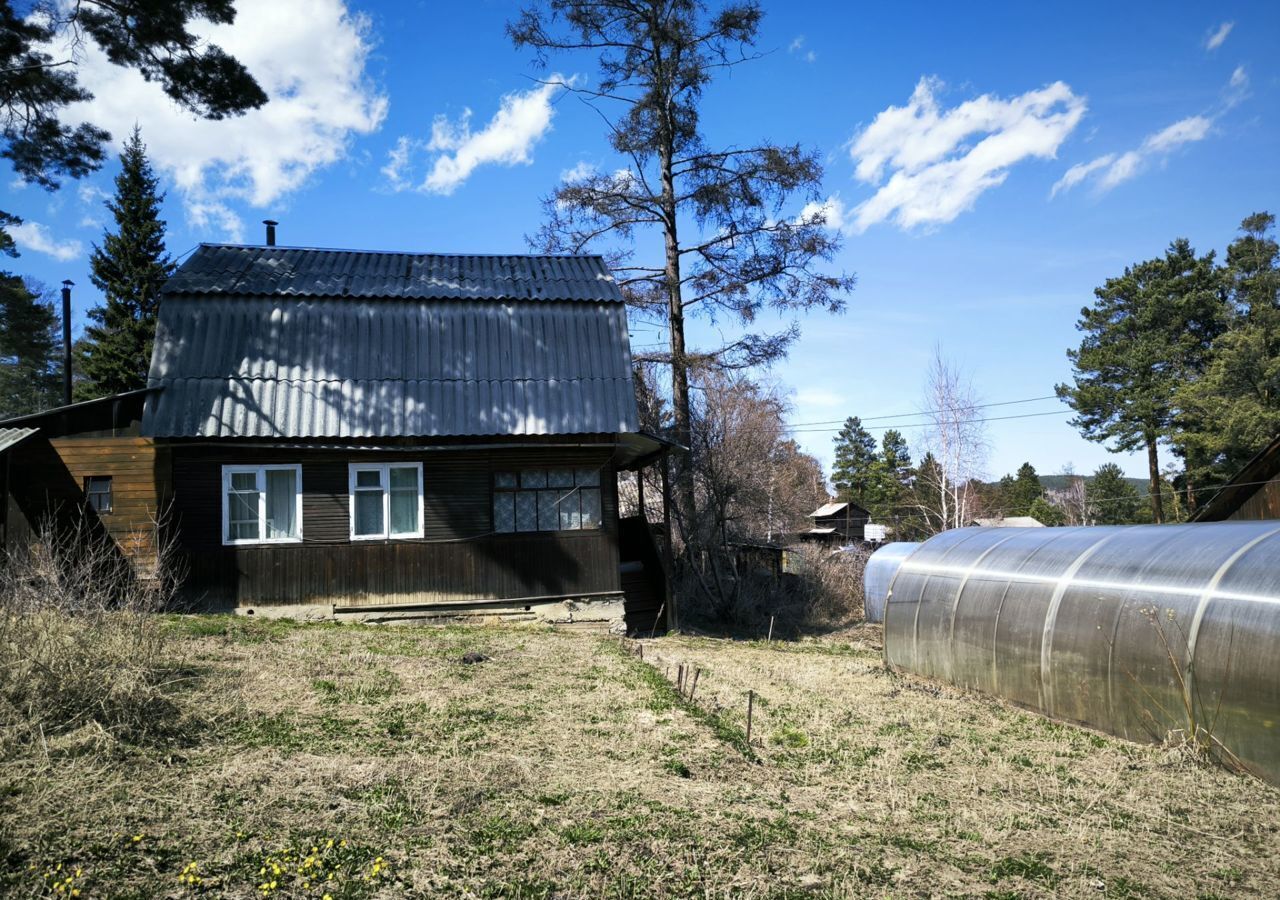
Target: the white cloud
(1237, 88)
(580, 171)
(1218, 36)
(1114, 169)
(818, 397)
(1239, 78)
(523, 118)
(832, 210)
(308, 55)
(797, 46)
(938, 162)
(37, 238)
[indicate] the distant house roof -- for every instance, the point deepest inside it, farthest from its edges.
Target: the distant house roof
(1248, 481)
(292, 343)
(821, 531)
(1008, 522)
(831, 509)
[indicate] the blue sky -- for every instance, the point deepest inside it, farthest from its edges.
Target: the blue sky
(988, 170)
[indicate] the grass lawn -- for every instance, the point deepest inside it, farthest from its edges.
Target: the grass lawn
(356, 761)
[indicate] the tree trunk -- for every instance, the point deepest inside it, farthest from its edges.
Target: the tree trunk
(675, 322)
(1153, 470)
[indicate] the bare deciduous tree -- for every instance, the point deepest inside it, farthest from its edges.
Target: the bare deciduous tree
(956, 446)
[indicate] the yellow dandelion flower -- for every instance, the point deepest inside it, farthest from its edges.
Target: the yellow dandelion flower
(329, 844)
(136, 838)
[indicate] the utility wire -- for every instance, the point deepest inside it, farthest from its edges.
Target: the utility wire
(928, 412)
(1056, 412)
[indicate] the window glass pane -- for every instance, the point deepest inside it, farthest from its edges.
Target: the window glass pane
(504, 479)
(244, 481)
(404, 510)
(369, 513)
(526, 511)
(560, 478)
(404, 477)
(504, 512)
(282, 496)
(591, 515)
(588, 477)
(533, 478)
(368, 478)
(570, 519)
(243, 507)
(244, 531)
(548, 517)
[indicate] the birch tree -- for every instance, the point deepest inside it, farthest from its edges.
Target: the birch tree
(955, 442)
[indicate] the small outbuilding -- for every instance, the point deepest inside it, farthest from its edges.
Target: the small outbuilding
(837, 523)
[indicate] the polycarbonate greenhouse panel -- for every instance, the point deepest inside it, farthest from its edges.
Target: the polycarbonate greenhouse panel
(1144, 631)
(878, 575)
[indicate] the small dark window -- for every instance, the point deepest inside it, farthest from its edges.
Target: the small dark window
(97, 492)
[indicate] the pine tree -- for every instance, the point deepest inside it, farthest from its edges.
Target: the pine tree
(1111, 498)
(129, 268)
(30, 371)
(890, 478)
(1022, 492)
(1234, 409)
(1149, 332)
(855, 458)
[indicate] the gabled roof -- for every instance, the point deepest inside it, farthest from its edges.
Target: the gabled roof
(288, 343)
(235, 270)
(1249, 480)
(831, 509)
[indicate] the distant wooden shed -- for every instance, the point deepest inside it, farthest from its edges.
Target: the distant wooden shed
(838, 523)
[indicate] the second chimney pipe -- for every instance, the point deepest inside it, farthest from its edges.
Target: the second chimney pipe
(66, 341)
(271, 231)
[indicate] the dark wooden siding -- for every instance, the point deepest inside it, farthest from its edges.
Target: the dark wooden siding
(1263, 503)
(458, 559)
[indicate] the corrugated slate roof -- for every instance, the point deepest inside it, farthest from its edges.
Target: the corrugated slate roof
(294, 271)
(11, 436)
(236, 363)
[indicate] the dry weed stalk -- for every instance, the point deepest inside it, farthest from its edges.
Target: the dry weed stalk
(79, 643)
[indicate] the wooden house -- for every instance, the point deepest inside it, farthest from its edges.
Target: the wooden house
(374, 435)
(837, 523)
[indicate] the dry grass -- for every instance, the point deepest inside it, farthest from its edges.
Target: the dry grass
(564, 766)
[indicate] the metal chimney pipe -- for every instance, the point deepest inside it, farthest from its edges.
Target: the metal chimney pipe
(66, 341)
(271, 231)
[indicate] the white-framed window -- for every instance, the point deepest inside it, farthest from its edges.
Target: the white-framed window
(547, 500)
(262, 504)
(386, 500)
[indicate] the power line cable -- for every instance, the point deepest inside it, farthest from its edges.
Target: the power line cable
(928, 412)
(1055, 412)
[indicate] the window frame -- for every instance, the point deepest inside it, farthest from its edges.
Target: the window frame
(384, 484)
(260, 480)
(496, 489)
(110, 492)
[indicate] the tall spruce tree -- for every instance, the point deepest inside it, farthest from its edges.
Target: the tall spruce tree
(129, 268)
(691, 228)
(30, 370)
(1149, 332)
(853, 472)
